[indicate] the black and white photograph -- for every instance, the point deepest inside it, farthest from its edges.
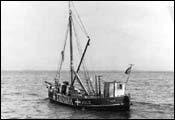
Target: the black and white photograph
(87, 59)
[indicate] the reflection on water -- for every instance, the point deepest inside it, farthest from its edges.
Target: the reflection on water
(73, 113)
(24, 95)
(85, 113)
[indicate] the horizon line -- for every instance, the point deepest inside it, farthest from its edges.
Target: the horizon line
(96, 70)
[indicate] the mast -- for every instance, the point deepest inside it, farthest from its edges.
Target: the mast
(71, 46)
(71, 54)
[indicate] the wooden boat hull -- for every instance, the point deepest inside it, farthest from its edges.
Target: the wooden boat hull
(121, 103)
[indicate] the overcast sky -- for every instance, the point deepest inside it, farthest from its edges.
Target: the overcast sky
(121, 33)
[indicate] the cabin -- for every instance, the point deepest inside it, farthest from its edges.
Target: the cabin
(114, 89)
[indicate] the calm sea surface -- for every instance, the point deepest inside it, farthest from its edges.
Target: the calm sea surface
(24, 95)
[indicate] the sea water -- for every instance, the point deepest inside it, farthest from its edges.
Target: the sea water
(24, 95)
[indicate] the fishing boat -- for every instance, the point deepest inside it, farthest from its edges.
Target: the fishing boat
(95, 94)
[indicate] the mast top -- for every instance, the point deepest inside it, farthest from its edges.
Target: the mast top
(69, 7)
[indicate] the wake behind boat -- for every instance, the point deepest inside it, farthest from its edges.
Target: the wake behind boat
(100, 96)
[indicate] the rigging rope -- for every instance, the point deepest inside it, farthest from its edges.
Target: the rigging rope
(83, 29)
(79, 45)
(62, 54)
(85, 32)
(86, 73)
(80, 53)
(74, 17)
(80, 20)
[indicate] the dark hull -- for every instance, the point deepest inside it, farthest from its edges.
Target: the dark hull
(99, 107)
(114, 104)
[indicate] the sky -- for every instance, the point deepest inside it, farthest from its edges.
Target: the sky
(121, 32)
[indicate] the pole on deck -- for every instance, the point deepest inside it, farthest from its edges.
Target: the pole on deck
(99, 85)
(96, 85)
